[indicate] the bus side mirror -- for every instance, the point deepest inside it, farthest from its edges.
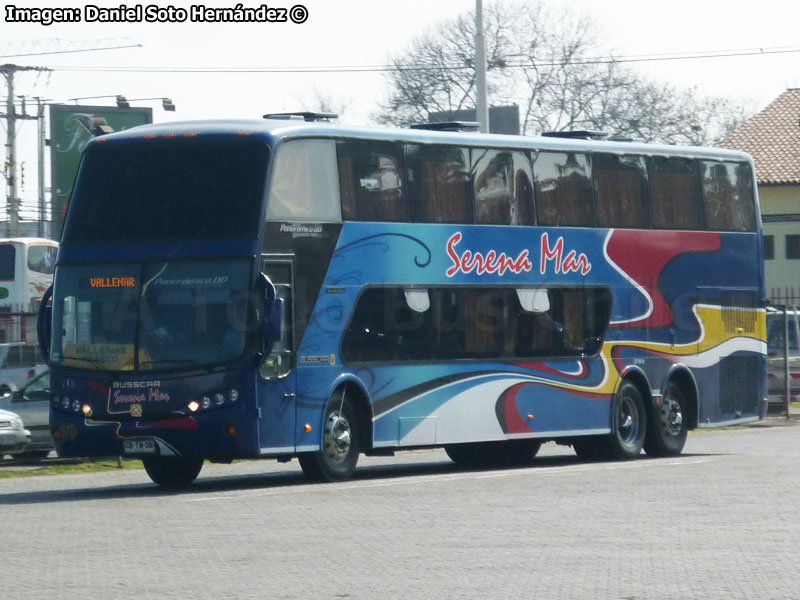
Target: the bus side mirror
(44, 322)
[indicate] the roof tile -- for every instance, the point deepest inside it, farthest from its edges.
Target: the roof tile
(772, 137)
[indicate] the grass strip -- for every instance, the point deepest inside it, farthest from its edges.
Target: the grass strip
(53, 468)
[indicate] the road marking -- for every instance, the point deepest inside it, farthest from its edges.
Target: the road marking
(474, 476)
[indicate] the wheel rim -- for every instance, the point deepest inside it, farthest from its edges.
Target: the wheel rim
(628, 421)
(338, 438)
(671, 416)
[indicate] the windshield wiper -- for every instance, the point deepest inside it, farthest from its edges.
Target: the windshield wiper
(97, 364)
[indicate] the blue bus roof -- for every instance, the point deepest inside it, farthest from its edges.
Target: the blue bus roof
(275, 130)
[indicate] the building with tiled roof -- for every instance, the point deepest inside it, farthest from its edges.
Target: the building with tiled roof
(772, 137)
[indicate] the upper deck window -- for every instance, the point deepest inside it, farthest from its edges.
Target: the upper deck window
(677, 193)
(729, 199)
(563, 189)
(620, 191)
(371, 180)
(168, 189)
(440, 182)
(503, 188)
(305, 182)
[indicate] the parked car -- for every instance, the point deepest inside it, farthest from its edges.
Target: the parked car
(776, 375)
(14, 438)
(19, 363)
(32, 405)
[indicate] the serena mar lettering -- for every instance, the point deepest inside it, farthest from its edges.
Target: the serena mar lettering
(553, 257)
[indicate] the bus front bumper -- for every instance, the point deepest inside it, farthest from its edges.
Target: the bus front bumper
(218, 434)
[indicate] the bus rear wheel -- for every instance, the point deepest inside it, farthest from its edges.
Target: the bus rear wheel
(494, 454)
(340, 443)
(172, 472)
(667, 430)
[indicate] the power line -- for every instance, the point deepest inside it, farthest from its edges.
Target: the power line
(413, 67)
(58, 46)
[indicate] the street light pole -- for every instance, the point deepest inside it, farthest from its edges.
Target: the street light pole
(481, 105)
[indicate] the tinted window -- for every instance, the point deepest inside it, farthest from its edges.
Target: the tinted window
(729, 200)
(42, 259)
(503, 188)
(769, 247)
(677, 193)
(793, 247)
(474, 323)
(439, 180)
(563, 189)
(305, 182)
(620, 191)
(13, 356)
(371, 181)
(8, 254)
(168, 189)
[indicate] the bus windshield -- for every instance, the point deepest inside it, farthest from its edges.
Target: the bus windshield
(156, 315)
(168, 190)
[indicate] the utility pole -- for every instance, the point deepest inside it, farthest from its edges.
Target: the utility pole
(481, 105)
(11, 116)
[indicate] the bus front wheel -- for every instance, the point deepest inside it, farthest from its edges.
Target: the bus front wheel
(172, 472)
(630, 428)
(337, 459)
(630, 423)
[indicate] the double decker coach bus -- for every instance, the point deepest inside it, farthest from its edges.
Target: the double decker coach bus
(286, 288)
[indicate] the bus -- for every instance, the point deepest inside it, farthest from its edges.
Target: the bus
(26, 271)
(292, 288)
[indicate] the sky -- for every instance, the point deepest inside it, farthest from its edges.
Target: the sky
(350, 33)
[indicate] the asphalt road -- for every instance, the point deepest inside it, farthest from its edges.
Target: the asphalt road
(721, 521)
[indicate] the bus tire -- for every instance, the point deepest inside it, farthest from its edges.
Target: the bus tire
(341, 440)
(494, 454)
(172, 472)
(630, 424)
(667, 427)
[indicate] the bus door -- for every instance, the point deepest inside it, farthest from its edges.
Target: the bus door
(277, 381)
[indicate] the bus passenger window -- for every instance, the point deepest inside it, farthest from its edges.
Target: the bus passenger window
(620, 191)
(729, 199)
(503, 192)
(677, 193)
(8, 256)
(563, 189)
(371, 182)
(440, 183)
(305, 183)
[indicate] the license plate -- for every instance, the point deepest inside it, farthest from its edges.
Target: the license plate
(139, 446)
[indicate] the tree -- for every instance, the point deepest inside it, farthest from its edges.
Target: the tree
(320, 101)
(546, 62)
